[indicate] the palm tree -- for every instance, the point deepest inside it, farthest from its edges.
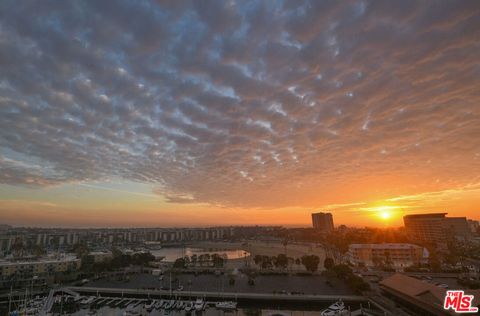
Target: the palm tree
(285, 243)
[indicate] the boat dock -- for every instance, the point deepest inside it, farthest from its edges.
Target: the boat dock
(216, 296)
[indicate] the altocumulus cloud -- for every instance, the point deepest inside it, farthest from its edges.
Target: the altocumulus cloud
(248, 103)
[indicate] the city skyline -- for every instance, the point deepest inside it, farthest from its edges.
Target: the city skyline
(178, 114)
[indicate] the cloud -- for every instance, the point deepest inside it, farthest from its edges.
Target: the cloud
(256, 104)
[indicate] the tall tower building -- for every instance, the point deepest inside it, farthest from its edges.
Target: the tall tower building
(436, 228)
(426, 227)
(323, 221)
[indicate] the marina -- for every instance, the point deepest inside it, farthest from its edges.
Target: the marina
(77, 301)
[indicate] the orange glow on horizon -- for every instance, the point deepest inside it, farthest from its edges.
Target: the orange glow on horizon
(91, 207)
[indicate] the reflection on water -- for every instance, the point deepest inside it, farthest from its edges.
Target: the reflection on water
(172, 254)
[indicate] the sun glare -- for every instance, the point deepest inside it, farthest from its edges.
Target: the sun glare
(385, 215)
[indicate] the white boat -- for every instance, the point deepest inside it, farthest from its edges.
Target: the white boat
(38, 301)
(149, 306)
(199, 305)
(229, 305)
(338, 305)
(170, 304)
(179, 305)
(334, 309)
(131, 311)
(29, 311)
(189, 306)
(160, 304)
(88, 301)
(329, 312)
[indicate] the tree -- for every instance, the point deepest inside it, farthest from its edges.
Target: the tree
(80, 249)
(328, 263)
(281, 261)
(116, 252)
(18, 247)
(266, 262)
(311, 262)
(179, 263)
(357, 284)
(201, 259)
(217, 261)
(208, 257)
(285, 244)
(342, 271)
(187, 261)
(194, 259)
(38, 251)
(257, 259)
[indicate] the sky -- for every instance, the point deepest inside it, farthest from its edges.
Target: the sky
(206, 113)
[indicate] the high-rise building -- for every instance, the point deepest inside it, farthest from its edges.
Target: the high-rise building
(428, 228)
(457, 227)
(473, 225)
(323, 221)
(436, 228)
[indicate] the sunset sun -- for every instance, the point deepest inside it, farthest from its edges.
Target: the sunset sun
(385, 215)
(384, 212)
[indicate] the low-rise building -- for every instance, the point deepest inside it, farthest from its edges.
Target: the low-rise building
(396, 255)
(44, 266)
(100, 256)
(422, 298)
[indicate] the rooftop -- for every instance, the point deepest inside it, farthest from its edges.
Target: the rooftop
(419, 292)
(67, 258)
(385, 246)
(430, 215)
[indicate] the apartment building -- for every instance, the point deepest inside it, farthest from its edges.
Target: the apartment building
(436, 228)
(323, 221)
(397, 255)
(44, 266)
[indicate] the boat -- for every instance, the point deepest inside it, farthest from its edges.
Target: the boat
(329, 312)
(189, 306)
(159, 304)
(338, 305)
(149, 306)
(87, 301)
(228, 305)
(199, 305)
(29, 311)
(38, 301)
(131, 311)
(170, 304)
(334, 309)
(179, 305)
